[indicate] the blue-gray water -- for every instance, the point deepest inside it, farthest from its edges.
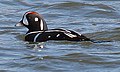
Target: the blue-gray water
(99, 20)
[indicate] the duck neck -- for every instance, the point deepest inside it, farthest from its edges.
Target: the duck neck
(37, 26)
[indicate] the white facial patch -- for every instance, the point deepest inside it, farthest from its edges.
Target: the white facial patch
(25, 21)
(36, 19)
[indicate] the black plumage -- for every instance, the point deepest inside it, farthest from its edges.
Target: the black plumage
(39, 32)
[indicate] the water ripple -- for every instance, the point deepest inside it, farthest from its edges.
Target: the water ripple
(98, 20)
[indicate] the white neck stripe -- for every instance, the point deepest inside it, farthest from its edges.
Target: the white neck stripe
(41, 24)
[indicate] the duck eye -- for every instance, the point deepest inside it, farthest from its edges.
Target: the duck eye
(36, 19)
(29, 17)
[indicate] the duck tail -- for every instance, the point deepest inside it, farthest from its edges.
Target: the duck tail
(100, 41)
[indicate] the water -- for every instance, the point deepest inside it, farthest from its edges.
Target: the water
(98, 20)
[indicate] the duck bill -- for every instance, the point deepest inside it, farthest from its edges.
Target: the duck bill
(19, 24)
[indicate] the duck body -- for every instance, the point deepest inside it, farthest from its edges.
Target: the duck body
(39, 32)
(55, 34)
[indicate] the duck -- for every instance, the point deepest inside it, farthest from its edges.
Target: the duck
(39, 32)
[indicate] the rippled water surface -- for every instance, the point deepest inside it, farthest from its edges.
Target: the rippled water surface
(98, 20)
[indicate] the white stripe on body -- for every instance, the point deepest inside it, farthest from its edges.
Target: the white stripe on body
(70, 35)
(35, 38)
(66, 32)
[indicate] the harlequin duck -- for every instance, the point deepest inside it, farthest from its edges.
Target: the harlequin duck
(39, 32)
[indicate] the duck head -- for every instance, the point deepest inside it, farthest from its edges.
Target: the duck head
(33, 21)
